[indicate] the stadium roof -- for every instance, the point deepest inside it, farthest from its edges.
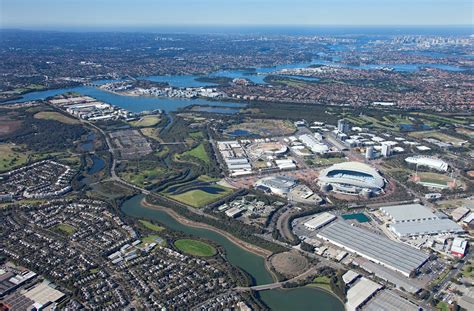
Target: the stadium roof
(408, 212)
(353, 173)
(394, 255)
(427, 227)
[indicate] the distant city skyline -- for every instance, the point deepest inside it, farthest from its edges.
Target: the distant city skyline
(57, 14)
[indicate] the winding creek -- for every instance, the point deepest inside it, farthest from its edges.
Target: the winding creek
(281, 299)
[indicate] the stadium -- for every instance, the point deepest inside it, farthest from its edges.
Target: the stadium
(259, 149)
(353, 178)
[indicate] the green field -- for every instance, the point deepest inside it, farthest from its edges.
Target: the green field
(146, 121)
(195, 248)
(143, 177)
(445, 119)
(65, 228)
(198, 152)
(434, 178)
(199, 192)
(151, 226)
(200, 198)
(11, 156)
(151, 132)
(56, 116)
(29, 88)
(442, 306)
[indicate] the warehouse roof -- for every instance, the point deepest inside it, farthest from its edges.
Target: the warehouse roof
(43, 293)
(434, 226)
(320, 220)
(350, 276)
(408, 212)
(360, 292)
(394, 255)
(387, 300)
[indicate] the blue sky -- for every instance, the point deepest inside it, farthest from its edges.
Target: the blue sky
(139, 13)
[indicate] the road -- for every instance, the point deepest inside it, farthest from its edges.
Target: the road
(283, 225)
(278, 284)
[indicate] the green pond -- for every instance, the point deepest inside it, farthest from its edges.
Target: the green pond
(280, 300)
(360, 217)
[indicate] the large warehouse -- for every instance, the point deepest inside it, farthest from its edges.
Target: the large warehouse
(352, 178)
(414, 219)
(427, 227)
(408, 212)
(319, 221)
(430, 162)
(379, 249)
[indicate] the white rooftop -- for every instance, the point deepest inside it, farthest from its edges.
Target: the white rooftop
(350, 276)
(427, 227)
(360, 292)
(408, 212)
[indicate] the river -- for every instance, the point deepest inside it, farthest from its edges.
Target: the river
(278, 300)
(256, 75)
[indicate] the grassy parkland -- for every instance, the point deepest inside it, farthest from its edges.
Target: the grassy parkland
(197, 193)
(195, 248)
(151, 226)
(56, 116)
(64, 229)
(146, 121)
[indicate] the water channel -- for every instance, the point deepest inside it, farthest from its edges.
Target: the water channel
(256, 75)
(280, 300)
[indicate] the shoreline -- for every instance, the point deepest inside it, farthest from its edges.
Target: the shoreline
(183, 220)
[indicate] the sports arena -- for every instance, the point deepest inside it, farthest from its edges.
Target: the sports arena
(353, 178)
(259, 149)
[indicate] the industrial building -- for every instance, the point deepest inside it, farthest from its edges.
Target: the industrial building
(379, 249)
(414, 219)
(235, 158)
(388, 300)
(361, 292)
(313, 144)
(458, 248)
(429, 162)
(280, 185)
(459, 213)
(352, 178)
(408, 212)
(319, 221)
(426, 227)
(350, 276)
